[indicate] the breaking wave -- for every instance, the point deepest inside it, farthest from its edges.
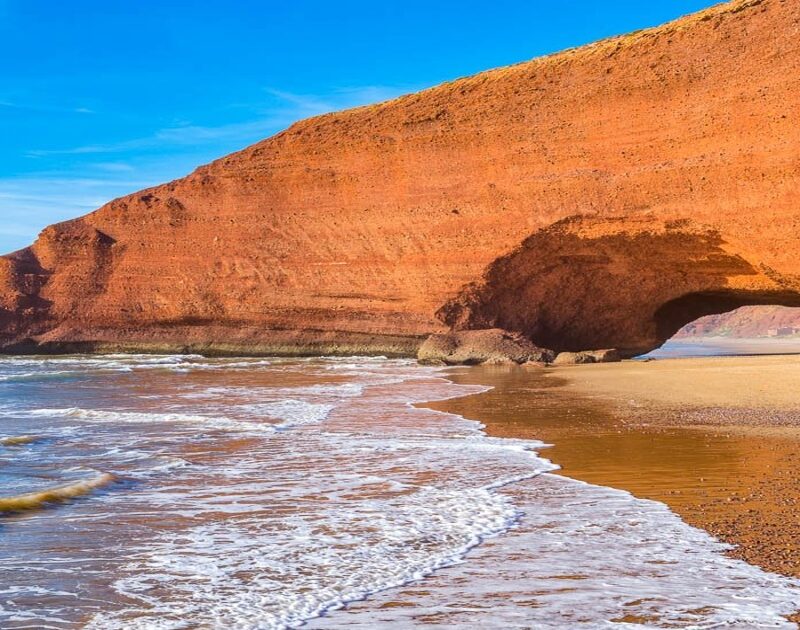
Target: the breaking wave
(279, 493)
(19, 440)
(40, 498)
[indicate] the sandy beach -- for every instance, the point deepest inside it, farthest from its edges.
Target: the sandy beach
(716, 439)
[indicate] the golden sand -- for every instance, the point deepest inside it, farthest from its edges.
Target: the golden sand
(763, 382)
(716, 439)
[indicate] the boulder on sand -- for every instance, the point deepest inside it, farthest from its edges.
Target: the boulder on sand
(587, 356)
(474, 347)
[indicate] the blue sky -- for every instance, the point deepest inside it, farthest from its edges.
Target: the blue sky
(99, 99)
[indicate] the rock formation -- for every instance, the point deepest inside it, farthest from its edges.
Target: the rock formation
(598, 270)
(474, 347)
(675, 149)
(591, 356)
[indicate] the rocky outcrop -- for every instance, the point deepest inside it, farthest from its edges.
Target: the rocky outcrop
(580, 284)
(675, 147)
(475, 347)
(587, 356)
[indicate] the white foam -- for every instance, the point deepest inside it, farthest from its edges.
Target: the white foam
(134, 417)
(126, 363)
(300, 574)
(584, 556)
(291, 412)
(35, 376)
(369, 493)
(332, 390)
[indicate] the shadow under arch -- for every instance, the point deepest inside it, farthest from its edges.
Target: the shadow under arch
(628, 283)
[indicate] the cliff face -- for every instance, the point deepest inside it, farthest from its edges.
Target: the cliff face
(359, 231)
(747, 322)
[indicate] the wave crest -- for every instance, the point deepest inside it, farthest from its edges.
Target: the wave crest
(19, 440)
(36, 500)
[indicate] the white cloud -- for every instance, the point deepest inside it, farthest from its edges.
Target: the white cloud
(284, 109)
(42, 108)
(303, 105)
(29, 203)
(113, 167)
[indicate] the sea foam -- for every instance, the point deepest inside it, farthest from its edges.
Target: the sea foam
(342, 504)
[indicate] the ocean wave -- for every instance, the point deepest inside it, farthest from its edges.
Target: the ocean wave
(371, 493)
(27, 377)
(291, 412)
(81, 364)
(40, 498)
(19, 440)
(346, 548)
(403, 541)
(148, 465)
(137, 417)
(321, 391)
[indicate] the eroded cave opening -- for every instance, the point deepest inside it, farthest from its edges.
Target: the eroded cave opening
(622, 283)
(746, 329)
(701, 313)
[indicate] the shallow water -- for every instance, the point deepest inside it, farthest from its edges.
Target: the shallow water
(265, 493)
(724, 346)
(741, 483)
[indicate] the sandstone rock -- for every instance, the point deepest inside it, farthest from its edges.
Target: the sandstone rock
(473, 347)
(535, 364)
(587, 356)
(500, 361)
(675, 148)
(604, 356)
(580, 282)
(573, 358)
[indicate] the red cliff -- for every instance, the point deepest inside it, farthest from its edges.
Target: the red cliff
(600, 197)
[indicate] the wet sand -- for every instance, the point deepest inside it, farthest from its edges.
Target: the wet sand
(716, 439)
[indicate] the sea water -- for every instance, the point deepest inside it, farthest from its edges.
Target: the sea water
(183, 492)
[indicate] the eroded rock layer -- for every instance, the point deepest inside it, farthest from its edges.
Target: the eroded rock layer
(349, 232)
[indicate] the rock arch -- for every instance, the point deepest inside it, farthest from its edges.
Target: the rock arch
(615, 282)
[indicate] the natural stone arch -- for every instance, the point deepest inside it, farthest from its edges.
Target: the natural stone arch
(674, 315)
(619, 282)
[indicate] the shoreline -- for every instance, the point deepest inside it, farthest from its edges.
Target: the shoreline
(248, 342)
(732, 470)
